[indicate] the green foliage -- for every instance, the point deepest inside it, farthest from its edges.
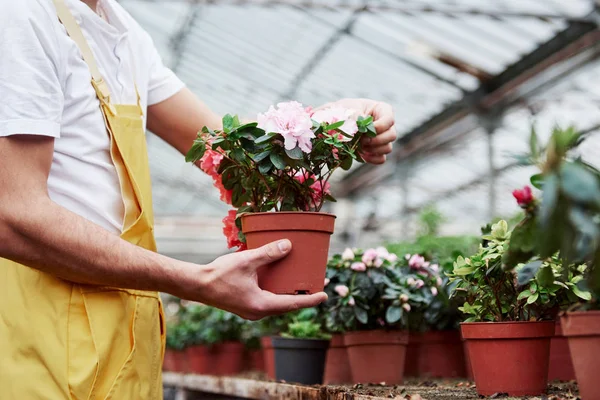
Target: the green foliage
(262, 175)
(567, 221)
(306, 324)
(492, 293)
(430, 220)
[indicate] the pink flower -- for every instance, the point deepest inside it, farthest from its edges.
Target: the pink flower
(231, 231)
(406, 307)
(439, 281)
(358, 266)
(292, 121)
(416, 262)
(523, 196)
(369, 257)
(210, 162)
(318, 189)
(226, 195)
(335, 114)
(351, 301)
(392, 258)
(378, 262)
(327, 280)
(419, 283)
(342, 290)
(348, 255)
(411, 281)
(380, 321)
(404, 298)
(434, 267)
(434, 291)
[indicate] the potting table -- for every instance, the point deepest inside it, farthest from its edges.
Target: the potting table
(203, 387)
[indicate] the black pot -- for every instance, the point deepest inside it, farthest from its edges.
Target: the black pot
(300, 360)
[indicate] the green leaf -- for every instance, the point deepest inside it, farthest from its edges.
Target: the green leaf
(261, 156)
(533, 298)
(462, 271)
(524, 294)
(333, 126)
(347, 163)
(585, 295)
(277, 161)
(361, 315)
(264, 138)
(545, 276)
(533, 143)
(528, 271)
(238, 154)
(537, 181)
(265, 166)
(393, 314)
(295, 153)
(196, 152)
(228, 122)
(579, 183)
(500, 230)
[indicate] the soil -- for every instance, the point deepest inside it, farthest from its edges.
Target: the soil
(437, 389)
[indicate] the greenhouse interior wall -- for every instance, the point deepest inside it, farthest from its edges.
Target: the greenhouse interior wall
(467, 79)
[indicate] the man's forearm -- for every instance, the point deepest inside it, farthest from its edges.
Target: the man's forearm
(50, 238)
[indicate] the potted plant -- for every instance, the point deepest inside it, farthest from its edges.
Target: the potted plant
(251, 337)
(283, 163)
(509, 322)
(567, 222)
(370, 302)
(270, 327)
(300, 350)
(175, 358)
(222, 333)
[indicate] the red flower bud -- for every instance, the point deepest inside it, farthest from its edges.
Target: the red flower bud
(523, 196)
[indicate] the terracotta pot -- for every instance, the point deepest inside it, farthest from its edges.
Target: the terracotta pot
(468, 366)
(337, 367)
(303, 270)
(255, 360)
(582, 329)
(227, 358)
(509, 357)
(198, 360)
(300, 360)
(441, 355)
(268, 356)
(411, 363)
(377, 356)
(169, 361)
(561, 366)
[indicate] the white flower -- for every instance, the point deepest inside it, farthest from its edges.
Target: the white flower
(348, 255)
(411, 281)
(419, 283)
(434, 291)
(292, 121)
(335, 114)
(327, 281)
(439, 281)
(407, 256)
(434, 267)
(342, 290)
(358, 266)
(406, 307)
(351, 301)
(404, 298)
(392, 258)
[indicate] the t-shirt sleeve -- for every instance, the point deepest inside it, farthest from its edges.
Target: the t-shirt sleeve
(163, 83)
(31, 93)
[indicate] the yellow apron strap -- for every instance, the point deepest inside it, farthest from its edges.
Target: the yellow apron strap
(66, 18)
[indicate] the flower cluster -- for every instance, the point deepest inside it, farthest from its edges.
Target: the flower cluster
(282, 162)
(523, 196)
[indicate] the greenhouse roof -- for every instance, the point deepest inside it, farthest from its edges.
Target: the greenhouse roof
(452, 69)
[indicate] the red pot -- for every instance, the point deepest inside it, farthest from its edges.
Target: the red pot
(303, 270)
(198, 360)
(337, 367)
(411, 364)
(227, 358)
(509, 357)
(169, 362)
(561, 366)
(255, 360)
(441, 355)
(468, 366)
(377, 356)
(582, 329)
(268, 356)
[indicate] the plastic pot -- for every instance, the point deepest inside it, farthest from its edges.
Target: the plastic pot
(300, 360)
(169, 362)
(582, 329)
(268, 356)
(440, 354)
(377, 356)
(337, 367)
(198, 360)
(303, 270)
(255, 360)
(227, 358)
(561, 366)
(509, 357)
(411, 363)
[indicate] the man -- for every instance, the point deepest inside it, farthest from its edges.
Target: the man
(80, 316)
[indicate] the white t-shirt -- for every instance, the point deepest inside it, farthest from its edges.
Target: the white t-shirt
(45, 90)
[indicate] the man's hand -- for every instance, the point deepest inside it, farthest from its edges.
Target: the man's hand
(230, 283)
(374, 149)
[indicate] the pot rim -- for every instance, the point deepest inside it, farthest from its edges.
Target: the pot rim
(377, 336)
(281, 342)
(248, 214)
(506, 322)
(573, 325)
(495, 331)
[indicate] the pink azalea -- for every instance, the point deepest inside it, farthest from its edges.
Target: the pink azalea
(342, 290)
(439, 281)
(335, 114)
(411, 281)
(378, 262)
(319, 188)
(419, 283)
(406, 307)
(210, 162)
(348, 255)
(231, 231)
(292, 121)
(434, 291)
(358, 266)
(351, 301)
(416, 262)
(382, 252)
(327, 280)
(369, 256)
(404, 298)
(434, 267)
(392, 258)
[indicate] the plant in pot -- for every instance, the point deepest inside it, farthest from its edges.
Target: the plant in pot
(370, 303)
(269, 327)
(222, 334)
(567, 222)
(509, 322)
(282, 163)
(300, 350)
(435, 347)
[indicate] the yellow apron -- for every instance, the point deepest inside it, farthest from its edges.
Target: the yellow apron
(61, 340)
